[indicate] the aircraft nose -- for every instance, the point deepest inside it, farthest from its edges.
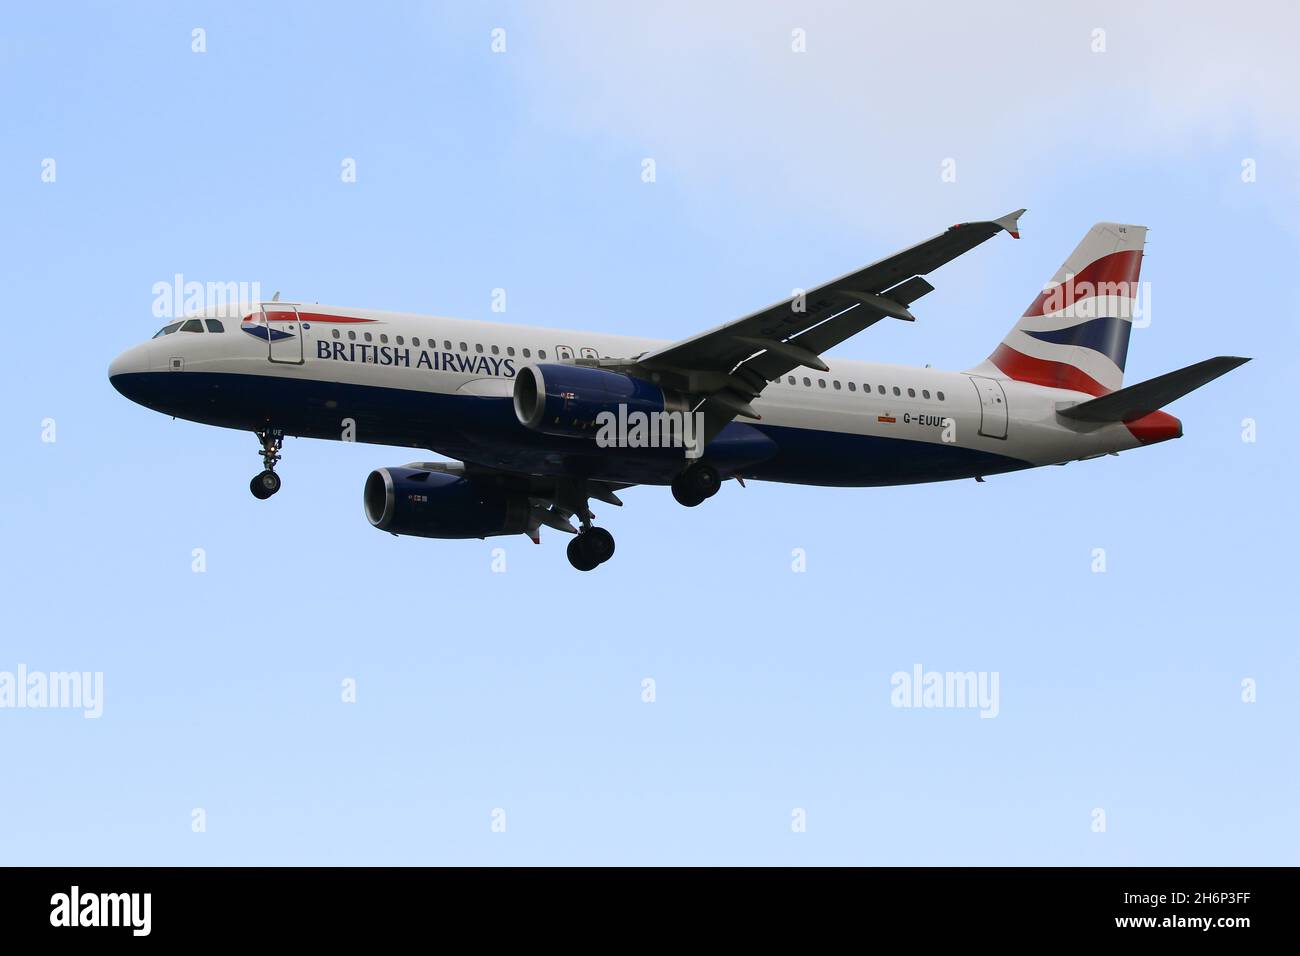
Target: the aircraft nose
(122, 369)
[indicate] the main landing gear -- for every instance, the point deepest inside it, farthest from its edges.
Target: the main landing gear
(591, 546)
(267, 483)
(699, 481)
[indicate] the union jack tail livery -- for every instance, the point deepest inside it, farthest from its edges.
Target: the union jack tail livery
(1075, 333)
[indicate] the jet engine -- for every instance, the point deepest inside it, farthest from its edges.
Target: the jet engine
(567, 399)
(437, 504)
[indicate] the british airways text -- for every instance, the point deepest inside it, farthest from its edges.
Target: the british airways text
(415, 358)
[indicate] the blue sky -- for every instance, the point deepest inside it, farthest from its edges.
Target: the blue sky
(523, 690)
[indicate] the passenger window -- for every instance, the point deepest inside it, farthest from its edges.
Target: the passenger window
(791, 379)
(414, 341)
(401, 341)
(562, 352)
(478, 348)
(852, 387)
(446, 344)
(368, 336)
(352, 335)
(510, 350)
(528, 353)
(940, 394)
(167, 329)
(383, 338)
(836, 383)
(881, 389)
(464, 347)
(911, 393)
(807, 382)
(896, 391)
(541, 353)
(495, 350)
(192, 325)
(334, 332)
(588, 353)
(925, 393)
(214, 325)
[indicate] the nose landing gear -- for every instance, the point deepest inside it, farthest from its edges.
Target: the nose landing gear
(267, 483)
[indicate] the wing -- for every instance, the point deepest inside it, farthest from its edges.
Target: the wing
(730, 365)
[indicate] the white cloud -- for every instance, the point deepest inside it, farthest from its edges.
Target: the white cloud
(861, 122)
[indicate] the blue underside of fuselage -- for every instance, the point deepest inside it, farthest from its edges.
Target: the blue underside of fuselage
(485, 431)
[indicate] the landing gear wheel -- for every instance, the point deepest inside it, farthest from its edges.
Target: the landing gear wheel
(578, 556)
(591, 548)
(684, 495)
(599, 544)
(696, 483)
(267, 483)
(264, 485)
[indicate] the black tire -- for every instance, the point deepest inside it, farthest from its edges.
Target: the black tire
(264, 485)
(697, 483)
(578, 556)
(703, 479)
(598, 544)
(684, 494)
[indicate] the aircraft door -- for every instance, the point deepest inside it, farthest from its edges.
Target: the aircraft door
(284, 333)
(993, 407)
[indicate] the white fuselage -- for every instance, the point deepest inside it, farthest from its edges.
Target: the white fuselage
(423, 357)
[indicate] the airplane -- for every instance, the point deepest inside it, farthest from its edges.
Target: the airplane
(539, 422)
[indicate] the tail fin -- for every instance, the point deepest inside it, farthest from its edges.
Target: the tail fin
(1075, 333)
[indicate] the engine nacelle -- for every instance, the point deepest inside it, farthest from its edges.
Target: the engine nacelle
(435, 504)
(566, 399)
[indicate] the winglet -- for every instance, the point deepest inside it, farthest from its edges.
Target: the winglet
(1011, 222)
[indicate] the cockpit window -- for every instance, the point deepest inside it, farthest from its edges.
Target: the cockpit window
(192, 325)
(214, 325)
(167, 329)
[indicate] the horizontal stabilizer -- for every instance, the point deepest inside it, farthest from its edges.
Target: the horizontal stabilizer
(1135, 401)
